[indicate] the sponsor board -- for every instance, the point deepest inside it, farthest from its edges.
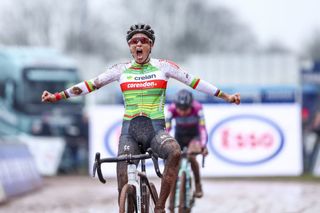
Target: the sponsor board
(245, 140)
(105, 130)
(261, 141)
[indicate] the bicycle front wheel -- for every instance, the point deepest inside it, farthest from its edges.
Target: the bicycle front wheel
(182, 194)
(149, 198)
(154, 197)
(128, 201)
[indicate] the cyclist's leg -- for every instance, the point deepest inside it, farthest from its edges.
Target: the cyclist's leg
(126, 144)
(167, 148)
(182, 143)
(195, 147)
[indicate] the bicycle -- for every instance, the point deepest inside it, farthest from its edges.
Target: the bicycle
(138, 190)
(182, 197)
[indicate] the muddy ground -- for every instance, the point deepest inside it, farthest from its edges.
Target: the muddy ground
(81, 194)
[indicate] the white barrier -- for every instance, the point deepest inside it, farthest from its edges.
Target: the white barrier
(18, 173)
(46, 151)
(245, 140)
(2, 194)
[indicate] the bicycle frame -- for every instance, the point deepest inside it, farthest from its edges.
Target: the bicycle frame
(185, 167)
(135, 178)
(183, 195)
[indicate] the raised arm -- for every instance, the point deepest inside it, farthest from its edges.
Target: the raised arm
(85, 87)
(202, 131)
(202, 128)
(169, 118)
(172, 70)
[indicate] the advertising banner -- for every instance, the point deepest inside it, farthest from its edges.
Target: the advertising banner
(46, 151)
(18, 172)
(245, 140)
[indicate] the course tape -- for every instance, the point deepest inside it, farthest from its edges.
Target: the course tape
(18, 172)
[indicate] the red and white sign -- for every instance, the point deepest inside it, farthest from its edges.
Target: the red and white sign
(259, 142)
(245, 140)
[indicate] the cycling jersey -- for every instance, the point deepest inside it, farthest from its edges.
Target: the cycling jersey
(189, 126)
(143, 86)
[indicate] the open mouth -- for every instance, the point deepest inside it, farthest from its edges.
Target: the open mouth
(139, 53)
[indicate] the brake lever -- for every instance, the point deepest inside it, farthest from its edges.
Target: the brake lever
(97, 167)
(156, 165)
(150, 152)
(203, 161)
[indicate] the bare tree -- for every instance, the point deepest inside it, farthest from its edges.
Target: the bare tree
(190, 26)
(313, 46)
(184, 26)
(276, 47)
(26, 26)
(215, 30)
(69, 26)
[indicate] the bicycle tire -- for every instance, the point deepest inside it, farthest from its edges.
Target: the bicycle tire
(127, 201)
(182, 194)
(154, 197)
(149, 199)
(145, 197)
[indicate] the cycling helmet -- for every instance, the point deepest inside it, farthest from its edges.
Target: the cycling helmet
(184, 99)
(141, 28)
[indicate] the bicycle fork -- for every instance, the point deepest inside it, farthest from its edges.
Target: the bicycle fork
(184, 168)
(134, 180)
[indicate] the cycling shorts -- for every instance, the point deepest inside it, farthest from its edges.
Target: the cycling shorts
(185, 140)
(140, 133)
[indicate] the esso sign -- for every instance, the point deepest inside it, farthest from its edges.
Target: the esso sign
(111, 138)
(246, 139)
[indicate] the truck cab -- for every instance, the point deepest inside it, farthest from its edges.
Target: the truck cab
(25, 74)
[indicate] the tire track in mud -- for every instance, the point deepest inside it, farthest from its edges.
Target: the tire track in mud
(80, 194)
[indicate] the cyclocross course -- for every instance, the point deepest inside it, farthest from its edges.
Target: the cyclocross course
(80, 194)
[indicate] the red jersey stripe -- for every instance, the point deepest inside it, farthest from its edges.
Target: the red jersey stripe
(153, 84)
(196, 84)
(138, 114)
(88, 87)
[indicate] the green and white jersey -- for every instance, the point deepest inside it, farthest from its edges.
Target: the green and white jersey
(143, 86)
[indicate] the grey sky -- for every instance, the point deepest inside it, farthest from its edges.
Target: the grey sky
(288, 21)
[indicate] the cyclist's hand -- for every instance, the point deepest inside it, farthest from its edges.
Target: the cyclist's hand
(194, 148)
(235, 98)
(205, 151)
(48, 97)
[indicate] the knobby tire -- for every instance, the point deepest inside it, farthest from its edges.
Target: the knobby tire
(127, 202)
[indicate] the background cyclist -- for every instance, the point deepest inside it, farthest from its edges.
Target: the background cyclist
(143, 82)
(190, 130)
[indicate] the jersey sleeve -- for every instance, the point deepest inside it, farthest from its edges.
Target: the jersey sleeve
(172, 70)
(111, 74)
(202, 128)
(169, 118)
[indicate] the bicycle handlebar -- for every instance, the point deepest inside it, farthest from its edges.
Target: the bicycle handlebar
(203, 160)
(129, 158)
(185, 153)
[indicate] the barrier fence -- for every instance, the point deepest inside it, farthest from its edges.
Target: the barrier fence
(18, 172)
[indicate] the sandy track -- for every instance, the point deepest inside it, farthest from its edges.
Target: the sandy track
(87, 195)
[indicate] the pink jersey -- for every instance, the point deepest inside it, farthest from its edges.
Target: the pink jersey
(192, 125)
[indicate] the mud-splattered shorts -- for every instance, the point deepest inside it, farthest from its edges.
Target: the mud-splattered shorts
(140, 133)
